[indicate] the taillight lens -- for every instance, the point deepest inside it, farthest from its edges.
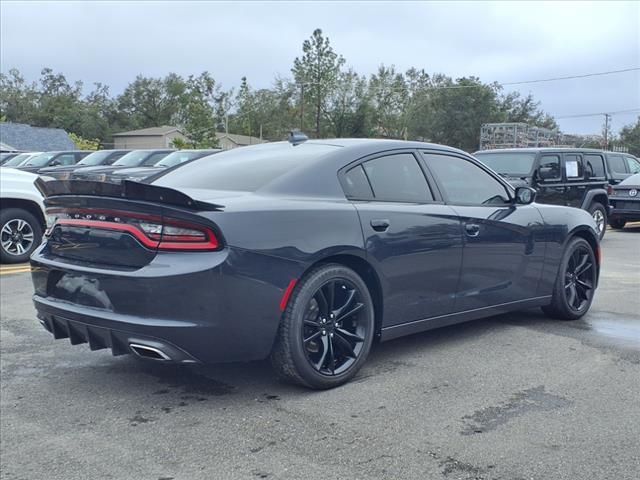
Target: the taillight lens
(610, 190)
(152, 231)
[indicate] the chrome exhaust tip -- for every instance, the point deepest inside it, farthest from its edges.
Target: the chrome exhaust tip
(150, 353)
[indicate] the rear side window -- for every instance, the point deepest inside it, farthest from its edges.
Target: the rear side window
(356, 185)
(617, 163)
(633, 164)
(66, 159)
(397, 178)
(594, 165)
(573, 166)
(465, 183)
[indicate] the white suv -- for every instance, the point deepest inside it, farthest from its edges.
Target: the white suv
(22, 218)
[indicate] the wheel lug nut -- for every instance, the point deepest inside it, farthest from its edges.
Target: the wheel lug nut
(331, 335)
(324, 332)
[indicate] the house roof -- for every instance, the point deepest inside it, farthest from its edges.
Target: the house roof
(239, 139)
(149, 132)
(22, 137)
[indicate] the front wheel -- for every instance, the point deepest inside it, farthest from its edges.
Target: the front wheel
(617, 223)
(599, 214)
(576, 282)
(327, 329)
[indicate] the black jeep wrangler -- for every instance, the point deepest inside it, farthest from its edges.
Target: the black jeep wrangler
(575, 177)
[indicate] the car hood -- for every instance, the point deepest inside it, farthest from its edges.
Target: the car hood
(60, 168)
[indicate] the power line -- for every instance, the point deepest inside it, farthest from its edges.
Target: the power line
(574, 76)
(579, 115)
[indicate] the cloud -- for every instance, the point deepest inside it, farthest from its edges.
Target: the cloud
(112, 42)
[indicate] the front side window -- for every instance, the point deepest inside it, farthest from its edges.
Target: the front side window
(549, 168)
(397, 178)
(153, 159)
(594, 165)
(617, 163)
(66, 159)
(633, 164)
(573, 166)
(465, 183)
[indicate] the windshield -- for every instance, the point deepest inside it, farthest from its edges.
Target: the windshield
(17, 160)
(39, 160)
(176, 158)
(132, 159)
(95, 158)
(244, 169)
(508, 163)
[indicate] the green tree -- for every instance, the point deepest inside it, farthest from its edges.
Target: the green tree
(348, 107)
(389, 94)
(629, 137)
(317, 73)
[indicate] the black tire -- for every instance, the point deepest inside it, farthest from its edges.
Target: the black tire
(20, 234)
(311, 352)
(599, 214)
(573, 291)
(617, 223)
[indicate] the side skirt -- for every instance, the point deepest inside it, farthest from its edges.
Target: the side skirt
(395, 331)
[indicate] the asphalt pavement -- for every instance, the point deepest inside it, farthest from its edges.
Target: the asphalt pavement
(517, 396)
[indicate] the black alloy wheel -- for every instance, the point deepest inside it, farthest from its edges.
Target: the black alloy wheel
(576, 282)
(327, 328)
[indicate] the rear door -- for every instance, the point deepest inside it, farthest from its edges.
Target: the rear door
(618, 168)
(412, 238)
(503, 253)
(576, 186)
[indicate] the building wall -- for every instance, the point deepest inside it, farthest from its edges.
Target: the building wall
(146, 141)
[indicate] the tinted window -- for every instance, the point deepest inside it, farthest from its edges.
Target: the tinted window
(95, 158)
(616, 163)
(397, 178)
(66, 159)
(573, 166)
(594, 165)
(154, 158)
(519, 164)
(633, 164)
(179, 157)
(356, 184)
(551, 163)
(246, 168)
(466, 183)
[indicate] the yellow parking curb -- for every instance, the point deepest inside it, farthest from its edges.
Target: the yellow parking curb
(17, 269)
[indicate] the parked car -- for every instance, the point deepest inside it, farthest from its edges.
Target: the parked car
(135, 158)
(304, 252)
(625, 202)
(97, 158)
(171, 160)
(21, 216)
(52, 159)
(620, 166)
(561, 176)
(5, 156)
(20, 159)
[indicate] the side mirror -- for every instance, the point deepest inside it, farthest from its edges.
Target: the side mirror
(525, 195)
(54, 163)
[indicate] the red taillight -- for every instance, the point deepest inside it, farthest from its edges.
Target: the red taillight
(152, 231)
(609, 190)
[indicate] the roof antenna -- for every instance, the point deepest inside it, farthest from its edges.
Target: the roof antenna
(296, 137)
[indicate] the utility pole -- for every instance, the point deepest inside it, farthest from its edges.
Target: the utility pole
(606, 131)
(302, 107)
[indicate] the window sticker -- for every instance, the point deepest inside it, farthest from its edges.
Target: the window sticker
(572, 168)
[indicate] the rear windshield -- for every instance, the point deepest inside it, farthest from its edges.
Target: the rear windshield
(95, 158)
(132, 159)
(508, 163)
(245, 168)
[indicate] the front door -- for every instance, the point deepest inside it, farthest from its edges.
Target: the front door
(576, 186)
(412, 239)
(503, 253)
(550, 187)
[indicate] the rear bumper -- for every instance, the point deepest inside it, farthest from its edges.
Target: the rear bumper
(204, 307)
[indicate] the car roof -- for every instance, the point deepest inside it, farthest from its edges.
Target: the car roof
(543, 150)
(379, 144)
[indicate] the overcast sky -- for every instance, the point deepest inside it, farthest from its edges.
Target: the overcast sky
(112, 42)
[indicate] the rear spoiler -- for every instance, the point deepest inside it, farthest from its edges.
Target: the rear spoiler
(127, 189)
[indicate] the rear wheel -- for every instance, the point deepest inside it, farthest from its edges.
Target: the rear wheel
(575, 283)
(327, 329)
(20, 234)
(617, 223)
(599, 214)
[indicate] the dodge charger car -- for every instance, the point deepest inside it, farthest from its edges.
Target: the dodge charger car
(305, 252)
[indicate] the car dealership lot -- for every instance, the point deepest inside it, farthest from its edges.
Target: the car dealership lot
(512, 397)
